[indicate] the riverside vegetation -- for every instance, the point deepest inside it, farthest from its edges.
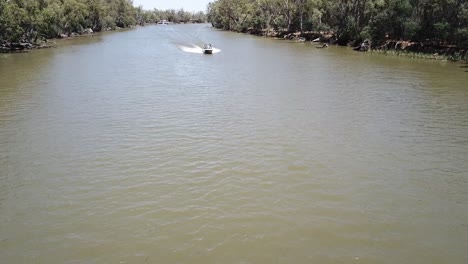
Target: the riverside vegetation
(28, 23)
(436, 27)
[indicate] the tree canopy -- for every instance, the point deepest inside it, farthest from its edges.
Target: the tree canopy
(32, 19)
(441, 21)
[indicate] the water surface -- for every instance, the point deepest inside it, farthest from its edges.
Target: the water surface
(123, 148)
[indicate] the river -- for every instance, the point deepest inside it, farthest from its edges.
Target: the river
(126, 148)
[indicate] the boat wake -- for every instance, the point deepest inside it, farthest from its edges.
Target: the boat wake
(195, 49)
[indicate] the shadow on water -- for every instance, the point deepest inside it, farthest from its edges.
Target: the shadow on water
(81, 40)
(464, 66)
(13, 51)
(18, 68)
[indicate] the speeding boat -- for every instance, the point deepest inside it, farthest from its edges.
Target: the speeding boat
(207, 49)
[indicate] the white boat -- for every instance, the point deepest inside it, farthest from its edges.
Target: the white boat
(207, 49)
(163, 22)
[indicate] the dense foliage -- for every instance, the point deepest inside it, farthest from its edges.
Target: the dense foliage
(29, 20)
(437, 21)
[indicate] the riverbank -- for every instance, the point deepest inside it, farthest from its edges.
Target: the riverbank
(24, 46)
(420, 55)
(26, 25)
(417, 50)
(354, 22)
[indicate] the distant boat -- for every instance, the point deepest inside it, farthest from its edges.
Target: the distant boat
(163, 22)
(207, 49)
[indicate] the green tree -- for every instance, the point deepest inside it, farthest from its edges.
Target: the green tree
(14, 21)
(74, 16)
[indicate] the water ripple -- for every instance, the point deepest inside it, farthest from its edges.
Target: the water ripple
(268, 152)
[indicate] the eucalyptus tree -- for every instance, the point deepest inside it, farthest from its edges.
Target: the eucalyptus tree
(439, 21)
(28, 20)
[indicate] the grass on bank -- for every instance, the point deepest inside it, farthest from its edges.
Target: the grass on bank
(457, 57)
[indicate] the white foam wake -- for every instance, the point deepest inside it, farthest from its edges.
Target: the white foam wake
(193, 49)
(196, 49)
